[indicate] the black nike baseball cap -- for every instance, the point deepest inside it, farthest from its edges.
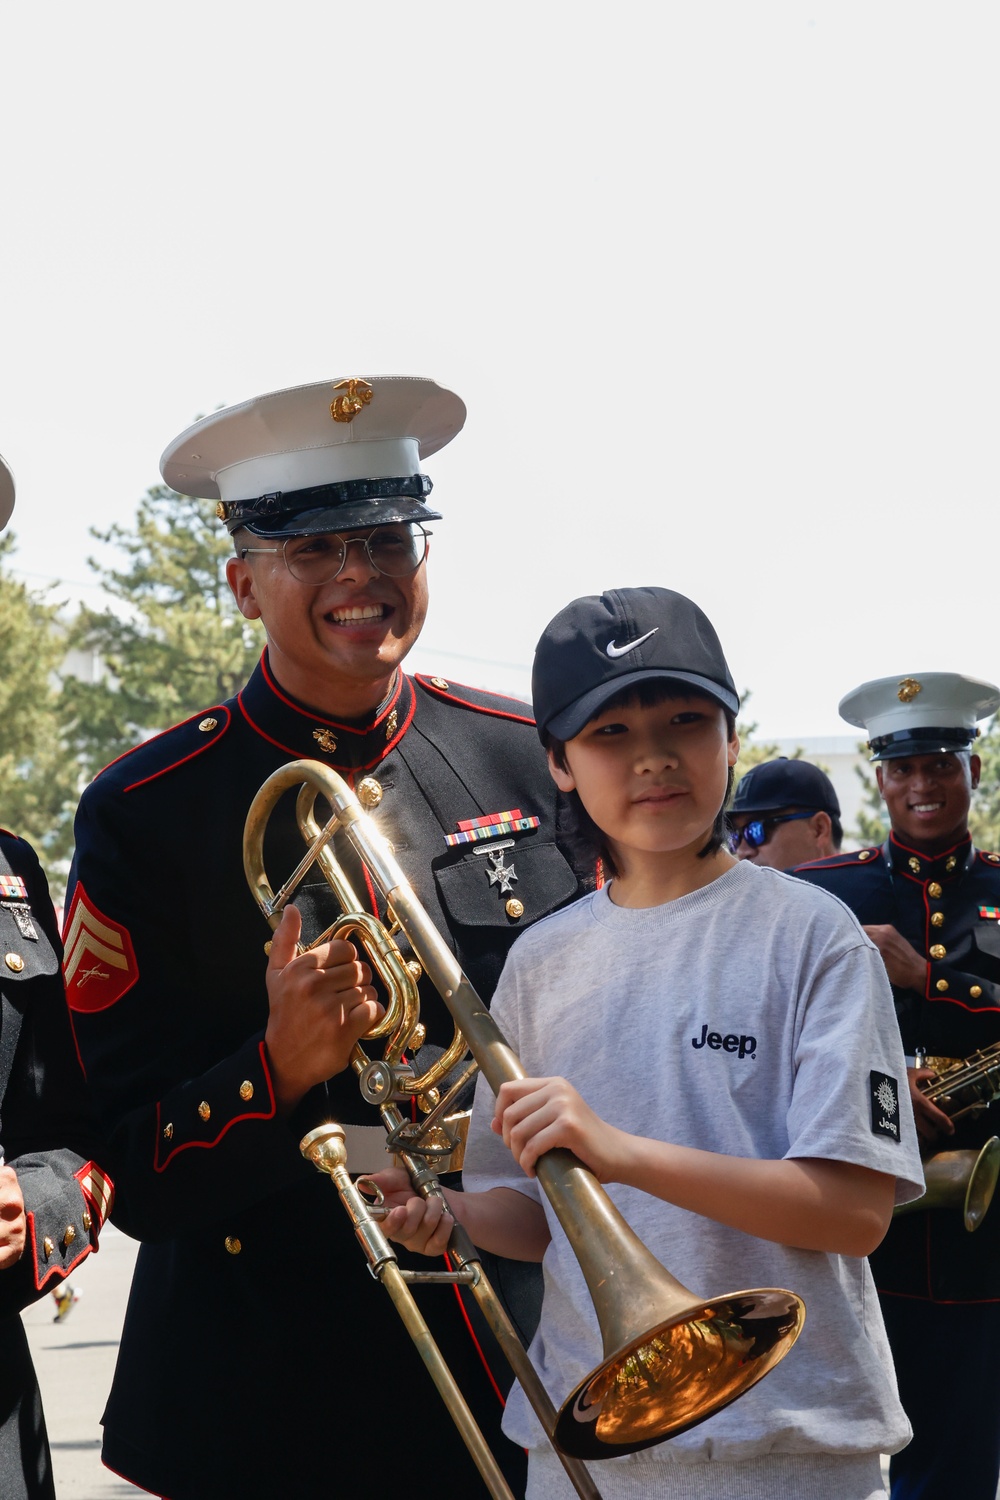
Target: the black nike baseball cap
(600, 644)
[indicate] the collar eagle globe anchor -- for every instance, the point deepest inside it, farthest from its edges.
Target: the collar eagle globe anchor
(671, 1359)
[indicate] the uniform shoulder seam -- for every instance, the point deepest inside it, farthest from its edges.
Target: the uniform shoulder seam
(158, 743)
(499, 706)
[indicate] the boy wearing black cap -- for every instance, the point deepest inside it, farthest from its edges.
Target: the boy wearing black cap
(708, 1014)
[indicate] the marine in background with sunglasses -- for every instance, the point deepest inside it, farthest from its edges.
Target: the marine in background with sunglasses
(930, 901)
(259, 1356)
(784, 813)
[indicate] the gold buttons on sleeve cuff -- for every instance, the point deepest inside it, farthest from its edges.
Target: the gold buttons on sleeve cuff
(69, 1236)
(514, 908)
(205, 1109)
(47, 1247)
(246, 1090)
(938, 950)
(233, 1245)
(941, 986)
(87, 1221)
(934, 890)
(976, 991)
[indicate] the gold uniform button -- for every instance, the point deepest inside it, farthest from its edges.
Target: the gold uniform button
(204, 1109)
(47, 1246)
(914, 864)
(938, 950)
(246, 1090)
(14, 962)
(369, 792)
(942, 985)
(168, 1132)
(514, 908)
(994, 859)
(87, 1221)
(976, 991)
(233, 1245)
(207, 725)
(69, 1236)
(950, 863)
(934, 890)
(937, 919)
(865, 854)
(439, 682)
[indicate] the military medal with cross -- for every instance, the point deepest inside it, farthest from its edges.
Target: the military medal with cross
(500, 874)
(14, 898)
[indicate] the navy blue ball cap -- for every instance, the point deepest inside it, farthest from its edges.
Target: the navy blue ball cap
(776, 784)
(599, 645)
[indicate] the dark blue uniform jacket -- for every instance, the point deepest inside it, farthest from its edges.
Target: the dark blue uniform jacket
(45, 1136)
(254, 1333)
(947, 908)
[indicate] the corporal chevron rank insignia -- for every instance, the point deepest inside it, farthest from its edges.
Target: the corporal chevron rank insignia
(100, 962)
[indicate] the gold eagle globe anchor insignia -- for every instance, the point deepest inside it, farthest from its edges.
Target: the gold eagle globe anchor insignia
(358, 395)
(908, 689)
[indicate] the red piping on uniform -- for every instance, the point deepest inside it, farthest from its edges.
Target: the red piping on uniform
(481, 708)
(297, 754)
(236, 1120)
(164, 769)
(158, 1494)
(334, 723)
(60, 1270)
(827, 864)
(472, 1335)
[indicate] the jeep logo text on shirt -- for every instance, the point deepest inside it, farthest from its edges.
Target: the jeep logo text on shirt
(743, 1046)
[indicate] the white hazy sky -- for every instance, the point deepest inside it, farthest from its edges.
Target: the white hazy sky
(718, 283)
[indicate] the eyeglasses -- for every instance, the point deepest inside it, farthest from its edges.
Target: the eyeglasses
(393, 550)
(757, 833)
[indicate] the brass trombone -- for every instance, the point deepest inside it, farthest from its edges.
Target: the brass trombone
(671, 1358)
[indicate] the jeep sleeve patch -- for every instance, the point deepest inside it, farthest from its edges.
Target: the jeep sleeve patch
(885, 1105)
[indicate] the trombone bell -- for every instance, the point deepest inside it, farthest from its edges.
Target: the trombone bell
(674, 1376)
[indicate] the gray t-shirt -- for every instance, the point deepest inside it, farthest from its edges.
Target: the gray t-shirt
(752, 1018)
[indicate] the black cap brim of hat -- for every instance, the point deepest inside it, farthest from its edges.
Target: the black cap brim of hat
(915, 745)
(568, 723)
(356, 515)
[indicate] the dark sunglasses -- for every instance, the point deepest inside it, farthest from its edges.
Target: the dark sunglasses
(757, 833)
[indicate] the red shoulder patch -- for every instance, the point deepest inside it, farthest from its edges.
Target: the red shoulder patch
(100, 964)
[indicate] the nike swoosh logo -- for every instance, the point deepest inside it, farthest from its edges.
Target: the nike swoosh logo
(614, 650)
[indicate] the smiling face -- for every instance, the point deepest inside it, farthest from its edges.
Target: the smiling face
(927, 797)
(335, 646)
(652, 778)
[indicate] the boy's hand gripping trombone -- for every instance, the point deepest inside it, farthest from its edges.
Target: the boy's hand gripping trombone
(671, 1359)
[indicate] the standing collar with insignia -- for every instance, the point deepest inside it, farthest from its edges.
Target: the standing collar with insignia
(347, 745)
(948, 865)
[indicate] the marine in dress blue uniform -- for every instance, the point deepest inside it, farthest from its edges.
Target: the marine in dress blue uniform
(258, 1357)
(939, 1285)
(45, 1141)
